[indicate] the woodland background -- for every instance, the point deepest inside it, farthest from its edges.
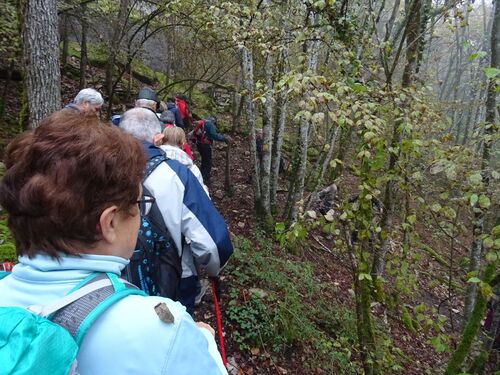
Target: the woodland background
(368, 229)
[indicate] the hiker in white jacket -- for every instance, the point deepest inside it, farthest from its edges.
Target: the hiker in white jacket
(173, 140)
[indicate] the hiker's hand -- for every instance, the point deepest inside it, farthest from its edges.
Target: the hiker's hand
(228, 139)
(206, 326)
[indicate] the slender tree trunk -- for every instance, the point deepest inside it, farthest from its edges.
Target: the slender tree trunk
(83, 49)
(118, 25)
(41, 56)
(248, 85)
(267, 133)
(472, 326)
(279, 132)
(281, 112)
(412, 44)
(490, 130)
(238, 102)
(64, 37)
(413, 39)
(312, 52)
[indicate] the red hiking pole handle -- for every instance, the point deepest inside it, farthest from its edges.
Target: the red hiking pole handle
(7, 266)
(219, 324)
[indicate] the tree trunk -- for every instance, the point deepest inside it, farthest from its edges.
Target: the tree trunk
(267, 137)
(413, 40)
(412, 44)
(41, 56)
(281, 109)
(281, 112)
(248, 85)
(267, 131)
(83, 49)
(490, 130)
(472, 326)
(312, 52)
(114, 45)
(64, 37)
(238, 101)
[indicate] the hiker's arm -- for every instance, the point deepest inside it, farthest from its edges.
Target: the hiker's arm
(205, 227)
(185, 206)
(212, 132)
(195, 351)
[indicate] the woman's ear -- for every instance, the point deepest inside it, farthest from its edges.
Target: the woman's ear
(107, 224)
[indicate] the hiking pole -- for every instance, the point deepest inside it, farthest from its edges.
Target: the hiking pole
(219, 324)
(227, 175)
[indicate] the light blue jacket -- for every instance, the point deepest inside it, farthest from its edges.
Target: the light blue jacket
(128, 338)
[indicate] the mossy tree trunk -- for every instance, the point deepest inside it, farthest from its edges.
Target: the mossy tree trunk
(472, 326)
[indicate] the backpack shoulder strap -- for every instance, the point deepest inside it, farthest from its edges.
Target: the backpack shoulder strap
(153, 163)
(78, 310)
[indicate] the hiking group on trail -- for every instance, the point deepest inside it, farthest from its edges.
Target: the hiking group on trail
(112, 224)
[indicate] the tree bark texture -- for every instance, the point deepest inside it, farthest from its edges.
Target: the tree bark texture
(267, 132)
(118, 31)
(472, 326)
(281, 112)
(312, 51)
(41, 54)
(281, 108)
(83, 47)
(65, 42)
(412, 45)
(248, 85)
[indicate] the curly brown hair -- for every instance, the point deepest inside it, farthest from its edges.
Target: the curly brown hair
(61, 176)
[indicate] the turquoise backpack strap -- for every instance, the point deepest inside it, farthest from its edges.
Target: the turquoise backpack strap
(89, 302)
(3, 274)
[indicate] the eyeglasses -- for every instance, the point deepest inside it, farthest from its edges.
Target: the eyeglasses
(145, 204)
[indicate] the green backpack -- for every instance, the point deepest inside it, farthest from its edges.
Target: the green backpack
(45, 339)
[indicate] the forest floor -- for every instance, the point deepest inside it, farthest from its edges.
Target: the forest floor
(328, 268)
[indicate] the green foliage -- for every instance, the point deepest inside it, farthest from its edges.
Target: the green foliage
(285, 308)
(10, 41)
(7, 247)
(293, 237)
(97, 54)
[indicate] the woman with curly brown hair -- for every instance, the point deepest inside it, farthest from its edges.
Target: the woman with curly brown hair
(72, 190)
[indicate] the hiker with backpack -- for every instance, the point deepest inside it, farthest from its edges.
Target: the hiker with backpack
(72, 189)
(185, 208)
(168, 119)
(173, 140)
(181, 103)
(203, 135)
(173, 143)
(177, 115)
